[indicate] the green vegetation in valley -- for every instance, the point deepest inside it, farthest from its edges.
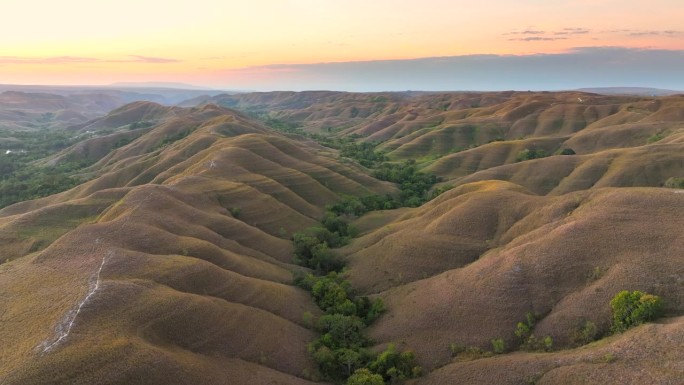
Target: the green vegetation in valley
(342, 351)
(528, 341)
(414, 190)
(413, 184)
(363, 152)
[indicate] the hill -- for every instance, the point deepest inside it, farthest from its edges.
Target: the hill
(118, 254)
(174, 261)
(31, 111)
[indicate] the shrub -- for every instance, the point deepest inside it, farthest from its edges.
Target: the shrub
(498, 345)
(608, 357)
(235, 212)
(469, 353)
(535, 344)
(528, 154)
(456, 349)
(634, 308)
(655, 138)
(585, 334)
(566, 151)
(675, 182)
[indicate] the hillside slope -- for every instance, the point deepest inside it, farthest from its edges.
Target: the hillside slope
(174, 262)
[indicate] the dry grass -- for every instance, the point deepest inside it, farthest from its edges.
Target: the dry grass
(535, 255)
(196, 282)
(649, 354)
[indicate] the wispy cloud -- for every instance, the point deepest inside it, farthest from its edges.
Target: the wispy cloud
(147, 59)
(669, 33)
(47, 60)
(642, 32)
(538, 38)
(531, 35)
(526, 32)
(572, 31)
(52, 60)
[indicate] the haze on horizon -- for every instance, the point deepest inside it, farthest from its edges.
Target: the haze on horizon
(346, 45)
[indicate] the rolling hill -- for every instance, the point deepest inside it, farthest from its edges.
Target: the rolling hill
(174, 262)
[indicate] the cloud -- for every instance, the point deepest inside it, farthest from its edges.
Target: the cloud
(147, 59)
(669, 33)
(47, 60)
(539, 38)
(577, 68)
(526, 32)
(539, 35)
(80, 60)
(572, 31)
(640, 32)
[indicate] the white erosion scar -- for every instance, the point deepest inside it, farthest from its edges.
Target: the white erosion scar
(64, 327)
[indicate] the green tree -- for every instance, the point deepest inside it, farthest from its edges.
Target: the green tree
(393, 365)
(365, 377)
(634, 308)
(522, 331)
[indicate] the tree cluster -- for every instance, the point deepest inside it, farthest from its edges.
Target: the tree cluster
(413, 184)
(634, 308)
(21, 179)
(362, 152)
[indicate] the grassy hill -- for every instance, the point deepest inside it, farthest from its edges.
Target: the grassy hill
(174, 261)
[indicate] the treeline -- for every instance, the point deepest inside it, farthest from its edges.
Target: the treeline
(27, 181)
(21, 179)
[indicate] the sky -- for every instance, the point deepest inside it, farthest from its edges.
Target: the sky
(355, 45)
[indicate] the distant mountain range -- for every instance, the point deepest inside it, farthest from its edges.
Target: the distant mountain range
(641, 91)
(162, 93)
(182, 86)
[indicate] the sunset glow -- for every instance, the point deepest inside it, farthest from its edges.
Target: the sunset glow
(204, 42)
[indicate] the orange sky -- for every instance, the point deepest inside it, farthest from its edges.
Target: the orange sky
(100, 42)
